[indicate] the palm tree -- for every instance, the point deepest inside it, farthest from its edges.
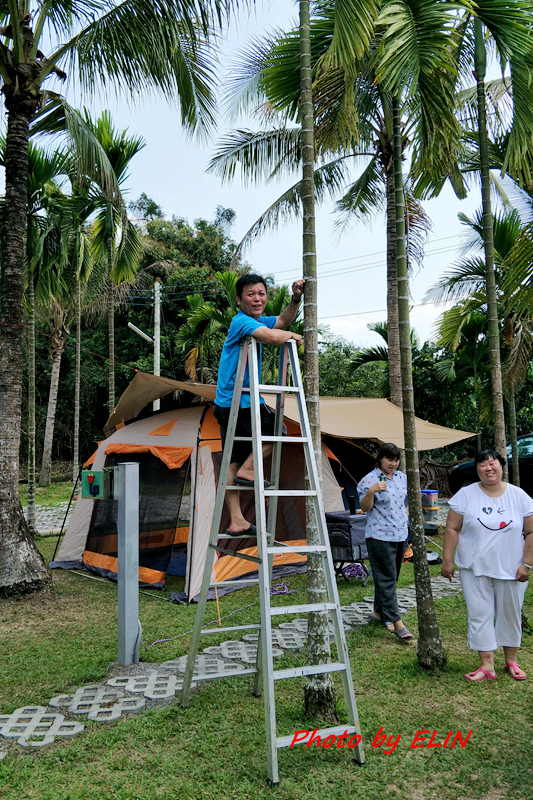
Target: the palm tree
(508, 24)
(137, 47)
(115, 237)
(466, 282)
(414, 63)
(44, 170)
(319, 692)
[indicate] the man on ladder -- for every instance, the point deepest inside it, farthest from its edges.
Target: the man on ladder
(251, 293)
(239, 383)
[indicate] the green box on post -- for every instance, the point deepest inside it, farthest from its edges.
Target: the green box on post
(92, 484)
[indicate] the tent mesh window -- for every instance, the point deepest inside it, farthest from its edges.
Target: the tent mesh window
(160, 494)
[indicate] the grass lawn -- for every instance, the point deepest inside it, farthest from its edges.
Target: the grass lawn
(216, 747)
(47, 495)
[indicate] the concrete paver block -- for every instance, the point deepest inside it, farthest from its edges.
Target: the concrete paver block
(205, 664)
(241, 651)
(154, 685)
(36, 726)
(126, 705)
(86, 699)
(353, 616)
(98, 702)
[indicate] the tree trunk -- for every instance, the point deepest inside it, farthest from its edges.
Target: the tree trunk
(319, 692)
(488, 242)
(513, 434)
(393, 331)
(58, 344)
(30, 502)
(21, 566)
(111, 324)
(430, 650)
(77, 382)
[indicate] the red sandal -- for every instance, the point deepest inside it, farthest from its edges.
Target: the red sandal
(486, 676)
(513, 669)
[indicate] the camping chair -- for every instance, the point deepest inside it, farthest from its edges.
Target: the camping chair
(347, 540)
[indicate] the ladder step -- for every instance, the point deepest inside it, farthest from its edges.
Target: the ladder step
(241, 582)
(287, 741)
(237, 536)
(284, 439)
(236, 553)
(266, 388)
(276, 611)
(312, 548)
(236, 672)
(205, 631)
(290, 492)
(310, 669)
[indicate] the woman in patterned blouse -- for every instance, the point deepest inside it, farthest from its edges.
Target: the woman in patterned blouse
(383, 495)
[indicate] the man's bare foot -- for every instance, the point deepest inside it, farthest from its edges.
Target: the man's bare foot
(245, 474)
(238, 527)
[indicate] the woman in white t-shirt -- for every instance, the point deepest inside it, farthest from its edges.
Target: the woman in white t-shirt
(486, 527)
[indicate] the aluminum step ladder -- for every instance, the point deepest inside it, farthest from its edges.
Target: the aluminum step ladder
(267, 548)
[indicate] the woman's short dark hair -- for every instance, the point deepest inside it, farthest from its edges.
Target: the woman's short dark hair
(388, 450)
(248, 280)
(484, 455)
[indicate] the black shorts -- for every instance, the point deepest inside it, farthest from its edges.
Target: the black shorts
(241, 450)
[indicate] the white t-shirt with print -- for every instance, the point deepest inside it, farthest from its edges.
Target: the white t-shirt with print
(491, 541)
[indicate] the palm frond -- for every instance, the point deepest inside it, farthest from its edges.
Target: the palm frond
(519, 357)
(244, 86)
(365, 196)
(355, 22)
(509, 23)
(418, 227)
(466, 277)
(518, 279)
(129, 252)
(328, 180)
(142, 45)
(90, 158)
(453, 322)
(257, 154)
(519, 151)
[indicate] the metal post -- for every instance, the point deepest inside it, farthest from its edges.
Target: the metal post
(127, 493)
(157, 336)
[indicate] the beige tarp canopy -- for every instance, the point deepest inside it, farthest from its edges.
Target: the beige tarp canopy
(344, 417)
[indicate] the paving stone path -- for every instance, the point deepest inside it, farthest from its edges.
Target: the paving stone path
(49, 519)
(146, 685)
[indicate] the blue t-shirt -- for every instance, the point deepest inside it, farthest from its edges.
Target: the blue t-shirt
(387, 519)
(241, 325)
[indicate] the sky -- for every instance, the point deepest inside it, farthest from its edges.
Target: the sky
(352, 275)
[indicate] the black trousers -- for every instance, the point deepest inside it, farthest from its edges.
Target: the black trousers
(386, 559)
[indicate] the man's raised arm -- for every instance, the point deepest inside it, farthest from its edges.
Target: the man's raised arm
(288, 315)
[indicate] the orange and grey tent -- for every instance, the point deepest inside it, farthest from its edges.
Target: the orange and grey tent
(174, 448)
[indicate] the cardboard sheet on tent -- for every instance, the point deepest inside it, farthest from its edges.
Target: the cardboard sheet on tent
(345, 417)
(166, 446)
